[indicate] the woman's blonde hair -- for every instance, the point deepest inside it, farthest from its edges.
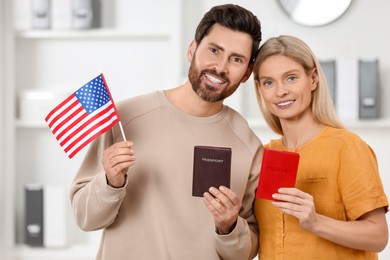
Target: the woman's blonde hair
(321, 104)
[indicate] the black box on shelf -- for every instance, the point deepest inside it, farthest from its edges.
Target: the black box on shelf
(34, 215)
(329, 68)
(41, 14)
(45, 217)
(369, 88)
(82, 14)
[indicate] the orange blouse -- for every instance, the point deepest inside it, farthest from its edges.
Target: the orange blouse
(340, 171)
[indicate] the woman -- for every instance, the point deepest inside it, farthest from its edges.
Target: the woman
(337, 208)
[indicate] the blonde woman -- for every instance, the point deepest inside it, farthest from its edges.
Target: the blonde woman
(337, 208)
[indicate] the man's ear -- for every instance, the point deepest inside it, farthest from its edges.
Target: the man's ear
(191, 50)
(247, 74)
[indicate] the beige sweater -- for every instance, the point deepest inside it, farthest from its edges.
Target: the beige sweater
(155, 217)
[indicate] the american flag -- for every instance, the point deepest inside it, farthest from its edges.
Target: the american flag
(83, 116)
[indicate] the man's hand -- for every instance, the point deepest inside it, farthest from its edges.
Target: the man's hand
(224, 205)
(116, 161)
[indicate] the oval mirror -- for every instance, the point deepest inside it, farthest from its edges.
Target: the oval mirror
(314, 12)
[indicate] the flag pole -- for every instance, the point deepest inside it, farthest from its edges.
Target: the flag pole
(123, 133)
(109, 93)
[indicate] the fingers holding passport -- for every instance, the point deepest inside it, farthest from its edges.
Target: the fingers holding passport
(224, 205)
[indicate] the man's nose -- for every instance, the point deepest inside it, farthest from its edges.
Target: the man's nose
(221, 65)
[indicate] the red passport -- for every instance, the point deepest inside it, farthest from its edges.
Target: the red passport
(278, 170)
(211, 168)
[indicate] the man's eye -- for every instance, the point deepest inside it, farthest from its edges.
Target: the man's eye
(213, 50)
(237, 60)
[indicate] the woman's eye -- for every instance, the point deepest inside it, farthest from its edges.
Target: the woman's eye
(267, 84)
(291, 78)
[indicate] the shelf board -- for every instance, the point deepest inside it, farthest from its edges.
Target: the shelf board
(90, 34)
(367, 123)
(371, 124)
(23, 124)
(69, 253)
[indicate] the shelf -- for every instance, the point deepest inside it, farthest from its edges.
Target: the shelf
(75, 252)
(372, 124)
(31, 124)
(367, 123)
(91, 34)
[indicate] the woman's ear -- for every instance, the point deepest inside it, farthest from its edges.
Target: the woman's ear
(314, 79)
(191, 50)
(257, 86)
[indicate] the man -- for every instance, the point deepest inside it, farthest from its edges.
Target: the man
(140, 191)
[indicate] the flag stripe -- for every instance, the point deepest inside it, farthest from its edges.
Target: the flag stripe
(68, 126)
(69, 117)
(81, 135)
(79, 120)
(62, 104)
(109, 94)
(83, 116)
(89, 122)
(67, 136)
(98, 131)
(62, 112)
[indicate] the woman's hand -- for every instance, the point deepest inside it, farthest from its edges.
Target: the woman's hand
(299, 204)
(369, 232)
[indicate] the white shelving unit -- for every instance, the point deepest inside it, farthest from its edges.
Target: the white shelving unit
(137, 55)
(93, 34)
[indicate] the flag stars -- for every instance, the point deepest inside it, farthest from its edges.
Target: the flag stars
(93, 95)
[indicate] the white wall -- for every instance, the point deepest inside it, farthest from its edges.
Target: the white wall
(2, 178)
(4, 77)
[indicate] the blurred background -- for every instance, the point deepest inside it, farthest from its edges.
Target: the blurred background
(48, 49)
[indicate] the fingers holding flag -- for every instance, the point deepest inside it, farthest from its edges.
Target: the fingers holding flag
(116, 161)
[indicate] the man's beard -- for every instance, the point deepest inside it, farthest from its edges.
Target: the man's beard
(208, 93)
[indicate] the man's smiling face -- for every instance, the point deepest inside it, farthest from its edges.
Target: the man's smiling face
(219, 64)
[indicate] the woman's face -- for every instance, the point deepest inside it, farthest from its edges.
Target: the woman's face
(285, 87)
